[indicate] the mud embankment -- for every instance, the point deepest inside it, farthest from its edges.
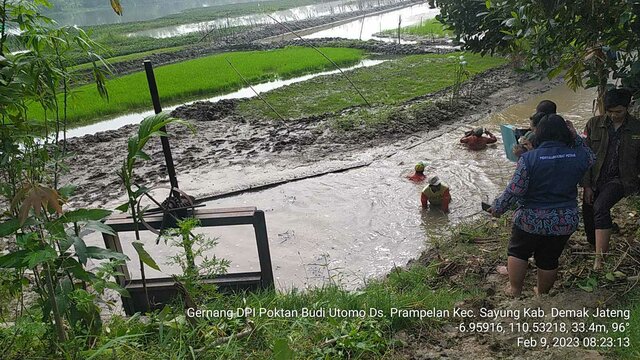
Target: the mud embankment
(226, 140)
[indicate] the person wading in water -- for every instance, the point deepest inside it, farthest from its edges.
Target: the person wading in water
(436, 194)
(475, 141)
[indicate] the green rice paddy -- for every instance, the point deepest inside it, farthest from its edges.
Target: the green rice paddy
(201, 77)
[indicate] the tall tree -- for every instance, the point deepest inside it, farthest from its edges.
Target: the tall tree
(589, 41)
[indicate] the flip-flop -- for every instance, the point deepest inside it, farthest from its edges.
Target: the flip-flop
(502, 270)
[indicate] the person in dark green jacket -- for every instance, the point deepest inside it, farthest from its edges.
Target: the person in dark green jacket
(615, 139)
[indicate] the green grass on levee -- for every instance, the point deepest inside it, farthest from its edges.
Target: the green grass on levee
(202, 77)
(428, 28)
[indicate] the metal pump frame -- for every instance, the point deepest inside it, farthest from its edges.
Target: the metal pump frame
(163, 290)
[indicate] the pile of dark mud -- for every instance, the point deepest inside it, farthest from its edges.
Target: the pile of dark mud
(206, 110)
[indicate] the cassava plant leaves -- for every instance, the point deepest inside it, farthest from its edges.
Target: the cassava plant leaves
(36, 197)
(16, 259)
(144, 255)
(9, 227)
(94, 252)
(100, 227)
(85, 215)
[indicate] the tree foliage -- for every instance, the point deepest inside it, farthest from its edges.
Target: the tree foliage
(589, 41)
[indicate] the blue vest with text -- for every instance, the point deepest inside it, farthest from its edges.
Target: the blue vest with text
(555, 170)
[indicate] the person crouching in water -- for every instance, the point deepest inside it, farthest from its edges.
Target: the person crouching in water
(475, 141)
(419, 175)
(545, 187)
(436, 194)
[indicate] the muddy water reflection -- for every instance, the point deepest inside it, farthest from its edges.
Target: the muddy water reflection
(358, 224)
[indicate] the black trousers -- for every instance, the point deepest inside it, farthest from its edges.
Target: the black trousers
(546, 249)
(598, 214)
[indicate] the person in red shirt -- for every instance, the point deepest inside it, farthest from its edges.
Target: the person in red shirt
(475, 141)
(419, 175)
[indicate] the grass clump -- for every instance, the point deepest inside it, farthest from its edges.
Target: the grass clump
(431, 28)
(390, 83)
(633, 330)
(362, 118)
(189, 80)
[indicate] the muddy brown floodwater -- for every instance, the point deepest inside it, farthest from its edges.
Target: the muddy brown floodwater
(351, 226)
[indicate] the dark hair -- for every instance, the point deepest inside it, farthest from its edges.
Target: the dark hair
(553, 128)
(617, 97)
(535, 118)
(478, 131)
(547, 107)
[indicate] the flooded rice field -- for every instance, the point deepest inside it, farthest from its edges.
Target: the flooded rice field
(365, 28)
(134, 11)
(292, 14)
(351, 226)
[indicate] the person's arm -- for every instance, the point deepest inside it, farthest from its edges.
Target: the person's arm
(446, 199)
(515, 190)
(492, 138)
(465, 139)
(579, 142)
(518, 150)
(586, 179)
(424, 200)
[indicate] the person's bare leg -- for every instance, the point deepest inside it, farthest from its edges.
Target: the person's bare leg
(546, 279)
(517, 271)
(602, 246)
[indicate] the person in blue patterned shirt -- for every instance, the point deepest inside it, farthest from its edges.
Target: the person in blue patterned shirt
(544, 186)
